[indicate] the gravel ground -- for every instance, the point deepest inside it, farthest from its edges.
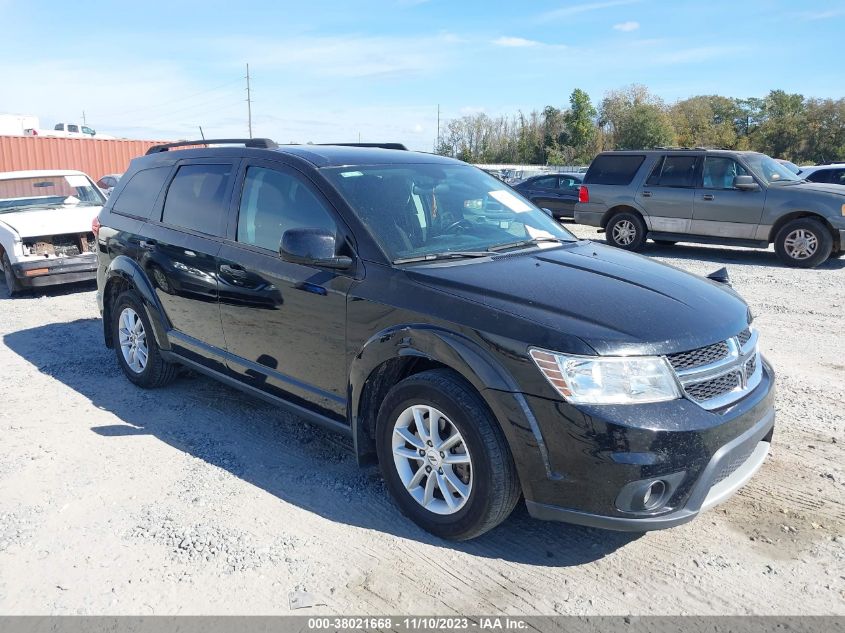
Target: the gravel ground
(196, 499)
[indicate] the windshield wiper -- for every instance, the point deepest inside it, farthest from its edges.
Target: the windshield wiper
(520, 243)
(443, 255)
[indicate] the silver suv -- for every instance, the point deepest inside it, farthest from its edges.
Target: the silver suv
(712, 197)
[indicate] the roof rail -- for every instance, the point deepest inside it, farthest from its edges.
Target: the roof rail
(380, 145)
(684, 149)
(263, 143)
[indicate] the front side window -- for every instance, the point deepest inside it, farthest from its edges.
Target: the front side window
(568, 182)
(720, 172)
(273, 202)
(87, 130)
(73, 128)
(417, 210)
(547, 182)
(196, 198)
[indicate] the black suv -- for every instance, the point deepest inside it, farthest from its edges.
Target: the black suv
(464, 340)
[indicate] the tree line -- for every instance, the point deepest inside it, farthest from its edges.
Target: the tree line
(783, 125)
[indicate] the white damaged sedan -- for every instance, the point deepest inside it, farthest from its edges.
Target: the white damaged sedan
(47, 228)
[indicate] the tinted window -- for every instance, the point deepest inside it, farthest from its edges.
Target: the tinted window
(837, 177)
(196, 198)
(274, 202)
(568, 182)
(73, 128)
(720, 171)
(547, 182)
(819, 176)
(674, 171)
(140, 193)
(613, 169)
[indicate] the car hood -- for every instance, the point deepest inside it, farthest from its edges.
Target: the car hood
(66, 219)
(614, 301)
(817, 187)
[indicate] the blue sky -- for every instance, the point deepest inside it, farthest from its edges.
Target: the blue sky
(331, 71)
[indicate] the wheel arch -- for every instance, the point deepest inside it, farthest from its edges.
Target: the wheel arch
(798, 215)
(396, 353)
(620, 208)
(125, 274)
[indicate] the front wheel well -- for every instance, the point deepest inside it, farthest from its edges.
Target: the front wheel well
(796, 215)
(620, 208)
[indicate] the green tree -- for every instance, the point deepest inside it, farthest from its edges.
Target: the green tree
(705, 121)
(633, 118)
(581, 126)
(780, 132)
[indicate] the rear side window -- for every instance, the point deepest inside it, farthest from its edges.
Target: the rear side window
(613, 169)
(818, 176)
(549, 182)
(674, 171)
(196, 198)
(139, 195)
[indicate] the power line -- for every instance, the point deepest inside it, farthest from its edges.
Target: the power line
(185, 98)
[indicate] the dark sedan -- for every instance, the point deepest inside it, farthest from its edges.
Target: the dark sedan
(556, 192)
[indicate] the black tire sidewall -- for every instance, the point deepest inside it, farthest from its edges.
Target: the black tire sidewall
(638, 223)
(477, 508)
(131, 300)
(825, 243)
(13, 286)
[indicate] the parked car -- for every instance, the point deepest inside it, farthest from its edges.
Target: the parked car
(556, 192)
(833, 173)
(46, 235)
(795, 169)
(108, 182)
(712, 197)
(463, 339)
(67, 130)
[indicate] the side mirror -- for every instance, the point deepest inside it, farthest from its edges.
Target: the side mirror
(312, 247)
(745, 183)
(548, 212)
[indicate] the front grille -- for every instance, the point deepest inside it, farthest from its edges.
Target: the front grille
(751, 365)
(735, 461)
(744, 336)
(699, 357)
(714, 387)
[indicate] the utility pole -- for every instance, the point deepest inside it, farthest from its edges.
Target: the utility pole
(438, 128)
(248, 102)
(84, 122)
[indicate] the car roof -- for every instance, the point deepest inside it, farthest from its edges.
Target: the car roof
(318, 155)
(39, 173)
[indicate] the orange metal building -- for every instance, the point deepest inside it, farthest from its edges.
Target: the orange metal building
(95, 157)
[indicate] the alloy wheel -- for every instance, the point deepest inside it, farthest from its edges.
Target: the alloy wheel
(133, 340)
(432, 459)
(624, 232)
(801, 244)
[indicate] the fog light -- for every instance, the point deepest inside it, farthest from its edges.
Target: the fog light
(653, 495)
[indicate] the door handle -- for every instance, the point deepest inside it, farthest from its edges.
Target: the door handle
(233, 270)
(707, 196)
(646, 194)
(148, 244)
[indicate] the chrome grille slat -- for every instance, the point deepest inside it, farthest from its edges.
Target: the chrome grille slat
(719, 374)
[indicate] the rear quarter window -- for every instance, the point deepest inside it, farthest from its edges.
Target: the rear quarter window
(138, 197)
(610, 169)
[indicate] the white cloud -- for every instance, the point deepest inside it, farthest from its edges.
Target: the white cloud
(585, 7)
(626, 27)
(515, 42)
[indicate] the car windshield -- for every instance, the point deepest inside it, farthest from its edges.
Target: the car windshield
(423, 211)
(770, 170)
(28, 194)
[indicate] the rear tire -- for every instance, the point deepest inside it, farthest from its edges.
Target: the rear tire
(803, 243)
(486, 486)
(626, 230)
(135, 345)
(13, 286)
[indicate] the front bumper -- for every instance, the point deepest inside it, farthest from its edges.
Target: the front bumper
(575, 463)
(58, 270)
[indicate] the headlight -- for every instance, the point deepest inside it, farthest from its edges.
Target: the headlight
(608, 379)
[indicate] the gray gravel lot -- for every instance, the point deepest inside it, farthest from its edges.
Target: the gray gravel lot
(198, 499)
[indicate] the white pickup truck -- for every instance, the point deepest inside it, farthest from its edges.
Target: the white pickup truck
(67, 130)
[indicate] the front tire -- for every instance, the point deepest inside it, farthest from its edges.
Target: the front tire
(627, 231)
(803, 243)
(444, 458)
(135, 345)
(13, 286)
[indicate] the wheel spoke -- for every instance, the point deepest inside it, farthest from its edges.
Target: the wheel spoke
(416, 479)
(141, 355)
(447, 494)
(429, 490)
(434, 426)
(457, 485)
(409, 437)
(456, 458)
(420, 422)
(407, 453)
(139, 326)
(451, 441)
